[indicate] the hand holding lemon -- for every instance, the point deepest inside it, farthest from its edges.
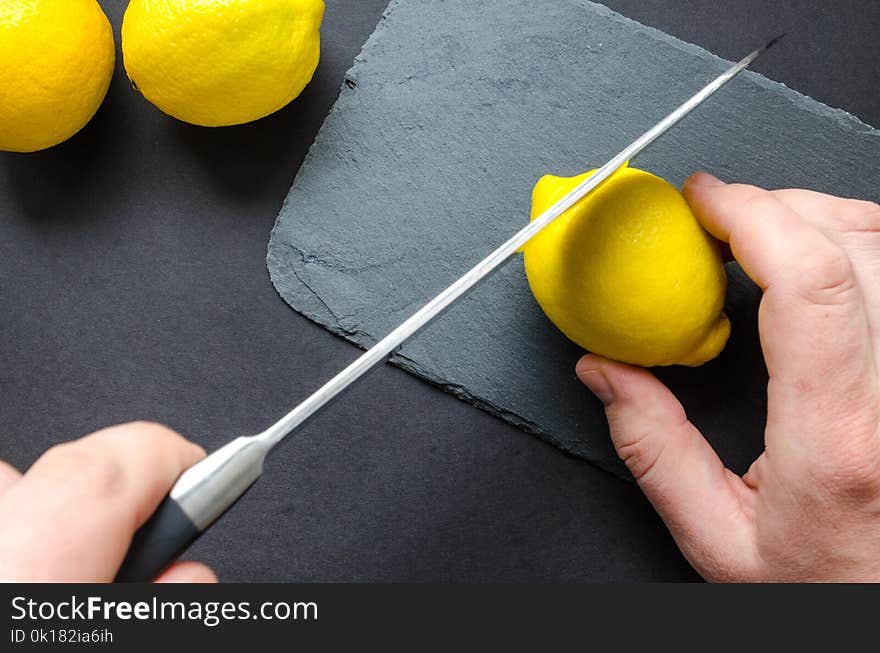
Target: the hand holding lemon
(628, 272)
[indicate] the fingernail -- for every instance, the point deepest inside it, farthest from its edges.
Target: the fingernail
(594, 378)
(705, 179)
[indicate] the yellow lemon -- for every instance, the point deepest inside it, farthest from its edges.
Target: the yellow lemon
(221, 62)
(56, 61)
(628, 272)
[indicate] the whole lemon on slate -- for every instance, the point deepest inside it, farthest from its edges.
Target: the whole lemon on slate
(56, 61)
(628, 272)
(221, 62)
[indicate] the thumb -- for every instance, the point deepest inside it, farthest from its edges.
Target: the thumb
(707, 508)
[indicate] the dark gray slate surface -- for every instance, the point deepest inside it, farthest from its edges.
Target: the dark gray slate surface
(449, 116)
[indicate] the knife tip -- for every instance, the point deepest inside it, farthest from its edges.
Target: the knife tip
(776, 39)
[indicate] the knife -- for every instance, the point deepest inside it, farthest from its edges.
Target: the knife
(209, 488)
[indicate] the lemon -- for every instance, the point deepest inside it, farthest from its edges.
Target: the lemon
(628, 272)
(221, 62)
(56, 61)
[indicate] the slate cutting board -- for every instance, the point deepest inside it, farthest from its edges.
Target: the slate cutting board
(450, 114)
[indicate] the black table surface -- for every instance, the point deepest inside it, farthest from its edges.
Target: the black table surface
(133, 286)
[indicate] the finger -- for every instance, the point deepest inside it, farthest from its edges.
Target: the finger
(813, 320)
(8, 476)
(770, 240)
(72, 515)
(187, 572)
(707, 508)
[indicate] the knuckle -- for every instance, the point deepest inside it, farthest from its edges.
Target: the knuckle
(758, 202)
(640, 455)
(852, 473)
(90, 470)
(827, 278)
(152, 431)
(143, 435)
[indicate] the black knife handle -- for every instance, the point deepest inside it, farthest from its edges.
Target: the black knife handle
(158, 543)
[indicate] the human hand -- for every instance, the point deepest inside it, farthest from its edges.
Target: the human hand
(71, 517)
(809, 507)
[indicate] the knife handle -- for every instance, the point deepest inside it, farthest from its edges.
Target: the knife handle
(159, 542)
(199, 497)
